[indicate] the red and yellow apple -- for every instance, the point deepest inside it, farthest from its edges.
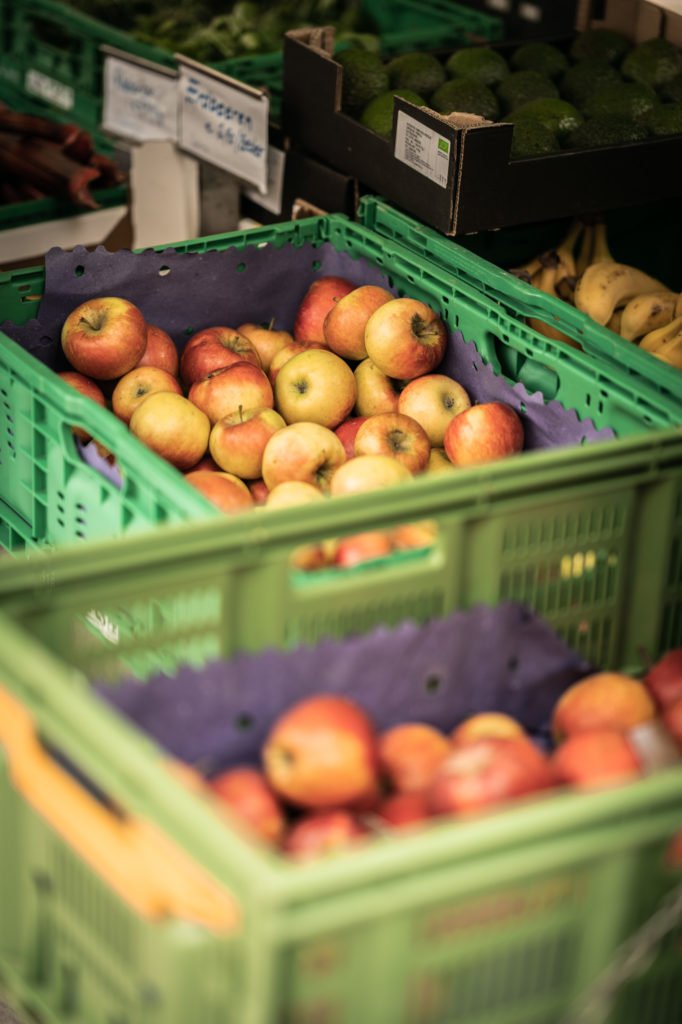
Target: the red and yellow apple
(405, 338)
(664, 678)
(375, 392)
(160, 351)
(302, 451)
(403, 809)
(433, 400)
(320, 753)
(346, 432)
(321, 833)
(438, 462)
(672, 720)
(362, 547)
(173, 427)
(224, 392)
(483, 433)
(214, 348)
(135, 386)
(420, 534)
(596, 758)
(293, 492)
(392, 433)
(315, 387)
(604, 700)
(237, 441)
(104, 337)
(225, 490)
(287, 352)
(367, 473)
(266, 341)
(483, 725)
(409, 755)
(245, 791)
(344, 324)
(259, 491)
(319, 298)
(86, 387)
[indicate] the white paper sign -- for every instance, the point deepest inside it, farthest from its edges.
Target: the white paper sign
(224, 122)
(272, 200)
(140, 100)
(56, 93)
(422, 148)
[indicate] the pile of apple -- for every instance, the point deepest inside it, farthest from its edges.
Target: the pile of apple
(348, 402)
(330, 780)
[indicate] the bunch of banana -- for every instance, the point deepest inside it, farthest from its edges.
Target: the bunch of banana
(615, 295)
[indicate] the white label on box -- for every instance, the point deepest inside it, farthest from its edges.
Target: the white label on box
(422, 148)
(272, 200)
(224, 122)
(49, 89)
(140, 102)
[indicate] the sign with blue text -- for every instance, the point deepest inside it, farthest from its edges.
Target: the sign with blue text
(140, 98)
(224, 122)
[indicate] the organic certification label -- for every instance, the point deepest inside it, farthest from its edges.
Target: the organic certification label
(38, 84)
(224, 122)
(422, 148)
(140, 99)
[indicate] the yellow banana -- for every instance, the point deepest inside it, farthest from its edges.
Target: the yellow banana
(606, 285)
(665, 343)
(528, 270)
(600, 246)
(584, 257)
(678, 306)
(615, 321)
(546, 283)
(564, 252)
(646, 313)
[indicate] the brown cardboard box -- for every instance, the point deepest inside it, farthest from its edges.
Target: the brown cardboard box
(455, 172)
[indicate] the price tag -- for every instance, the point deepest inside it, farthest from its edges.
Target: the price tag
(140, 98)
(224, 122)
(422, 148)
(38, 84)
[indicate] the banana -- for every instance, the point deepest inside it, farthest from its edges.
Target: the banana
(600, 247)
(546, 283)
(528, 270)
(665, 343)
(614, 322)
(564, 252)
(606, 285)
(645, 313)
(678, 306)
(584, 257)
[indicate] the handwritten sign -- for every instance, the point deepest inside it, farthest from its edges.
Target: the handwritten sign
(224, 122)
(140, 98)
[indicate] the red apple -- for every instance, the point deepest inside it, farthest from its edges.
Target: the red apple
(401, 437)
(160, 351)
(483, 433)
(400, 809)
(259, 491)
(104, 337)
(293, 492)
(315, 387)
(664, 678)
(409, 755)
(237, 441)
(207, 463)
(483, 725)
(287, 352)
(367, 473)
(266, 341)
(86, 387)
(319, 298)
(409, 536)
(362, 547)
(592, 759)
(302, 451)
(226, 391)
(225, 490)
(320, 753)
(173, 427)
(346, 432)
(433, 400)
(376, 392)
(214, 348)
(672, 720)
(604, 700)
(136, 385)
(322, 832)
(246, 792)
(488, 771)
(405, 338)
(344, 324)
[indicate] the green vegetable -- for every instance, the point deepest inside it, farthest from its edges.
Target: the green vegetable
(542, 57)
(531, 138)
(627, 99)
(364, 77)
(653, 63)
(558, 116)
(602, 43)
(523, 86)
(378, 115)
(420, 72)
(466, 96)
(478, 63)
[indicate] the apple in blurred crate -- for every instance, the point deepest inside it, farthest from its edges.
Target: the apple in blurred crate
(396, 435)
(316, 303)
(344, 325)
(405, 338)
(104, 337)
(173, 427)
(214, 348)
(224, 392)
(483, 433)
(315, 387)
(302, 451)
(135, 386)
(237, 441)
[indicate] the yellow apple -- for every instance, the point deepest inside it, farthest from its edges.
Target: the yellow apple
(368, 473)
(392, 433)
(136, 385)
(433, 400)
(173, 427)
(302, 451)
(237, 441)
(405, 338)
(344, 325)
(315, 387)
(375, 391)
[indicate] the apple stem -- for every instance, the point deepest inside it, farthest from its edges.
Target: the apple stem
(241, 413)
(84, 320)
(272, 323)
(418, 325)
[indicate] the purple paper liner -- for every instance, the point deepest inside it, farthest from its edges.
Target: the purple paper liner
(505, 659)
(184, 292)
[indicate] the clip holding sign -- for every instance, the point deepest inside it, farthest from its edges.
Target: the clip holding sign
(224, 121)
(140, 98)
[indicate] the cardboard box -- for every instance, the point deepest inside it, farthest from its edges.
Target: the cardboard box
(455, 172)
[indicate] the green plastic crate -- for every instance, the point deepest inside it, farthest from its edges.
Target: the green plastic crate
(565, 530)
(519, 297)
(68, 74)
(509, 918)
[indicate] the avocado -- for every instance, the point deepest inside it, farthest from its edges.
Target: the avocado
(465, 95)
(358, 41)
(364, 77)
(653, 63)
(665, 119)
(520, 87)
(627, 99)
(542, 57)
(585, 78)
(378, 114)
(419, 72)
(532, 139)
(604, 43)
(671, 92)
(558, 116)
(608, 130)
(478, 62)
